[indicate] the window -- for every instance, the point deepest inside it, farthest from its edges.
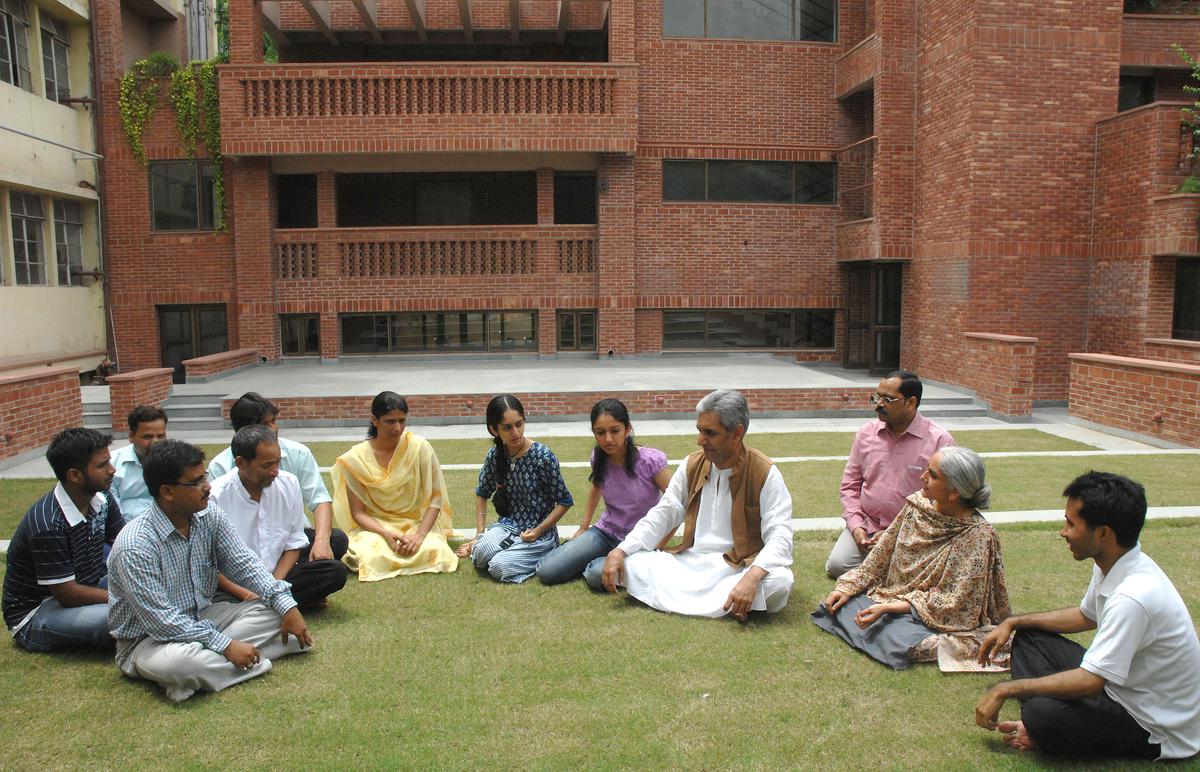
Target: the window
(14, 44)
(181, 196)
(441, 198)
(1187, 300)
(56, 40)
(739, 328)
(814, 20)
(575, 198)
(1134, 91)
(576, 330)
(452, 332)
(770, 182)
(300, 334)
(68, 242)
(296, 195)
(29, 255)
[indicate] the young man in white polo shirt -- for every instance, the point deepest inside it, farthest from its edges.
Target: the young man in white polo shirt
(265, 505)
(1136, 692)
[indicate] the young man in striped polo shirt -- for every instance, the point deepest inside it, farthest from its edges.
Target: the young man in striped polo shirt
(55, 587)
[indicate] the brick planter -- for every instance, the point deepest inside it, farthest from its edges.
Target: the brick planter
(1001, 370)
(206, 368)
(35, 405)
(1160, 399)
(141, 387)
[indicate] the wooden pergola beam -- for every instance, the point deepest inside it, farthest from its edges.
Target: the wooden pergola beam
(270, 22)
(564, 17)
(319, 11)
(416, 10)
(368, 11)
(464, 11)
(514, 20)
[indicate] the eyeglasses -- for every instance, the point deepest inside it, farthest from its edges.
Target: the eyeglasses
(883, 399)
(197, 483)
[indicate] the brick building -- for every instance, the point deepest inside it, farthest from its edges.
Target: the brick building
(971, 188)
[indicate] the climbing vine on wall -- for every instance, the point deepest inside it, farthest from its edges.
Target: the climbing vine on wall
(138, 97)
(193, 95)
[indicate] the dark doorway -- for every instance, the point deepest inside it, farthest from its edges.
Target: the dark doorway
(191, 331)
(873, 317)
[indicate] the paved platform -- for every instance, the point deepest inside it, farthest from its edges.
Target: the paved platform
(467, 376)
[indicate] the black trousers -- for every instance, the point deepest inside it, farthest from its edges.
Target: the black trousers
(1093, 726)
(313, 580)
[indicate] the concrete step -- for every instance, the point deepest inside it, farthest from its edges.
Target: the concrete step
(180, 400)
(177, 412)
(952, 411)
(196, 424)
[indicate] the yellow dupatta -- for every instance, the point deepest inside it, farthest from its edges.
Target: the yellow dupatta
(412, 483)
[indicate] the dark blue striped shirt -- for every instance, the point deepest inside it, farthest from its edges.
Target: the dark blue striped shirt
(56, 543)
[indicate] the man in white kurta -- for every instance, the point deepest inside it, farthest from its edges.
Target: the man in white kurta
(712, 577)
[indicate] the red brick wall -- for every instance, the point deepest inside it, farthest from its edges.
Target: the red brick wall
(1000, 368)
(35, 405)
(1170, 350)
(1146, 39)
(987, 161)
(203, 368)
(1010, 92)
(126, 391)
(1138, 157)
(1160, 399)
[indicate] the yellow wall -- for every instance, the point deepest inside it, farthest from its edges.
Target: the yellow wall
(49, 321)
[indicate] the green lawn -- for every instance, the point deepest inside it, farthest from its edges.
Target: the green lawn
(779, 445)
(455, 671)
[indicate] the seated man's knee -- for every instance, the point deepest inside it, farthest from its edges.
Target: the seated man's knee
(594, 574)
(550, 571)
(339, 542)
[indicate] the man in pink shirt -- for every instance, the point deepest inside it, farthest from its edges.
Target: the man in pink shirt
(885, 466)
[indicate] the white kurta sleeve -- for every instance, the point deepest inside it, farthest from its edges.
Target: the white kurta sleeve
(775, 508)
(662, 519)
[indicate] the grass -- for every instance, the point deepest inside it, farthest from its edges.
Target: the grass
(455, 671)
(778, 445)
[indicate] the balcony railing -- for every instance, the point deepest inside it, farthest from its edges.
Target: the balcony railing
(366, 108)
(1146, 39)
(400, 253)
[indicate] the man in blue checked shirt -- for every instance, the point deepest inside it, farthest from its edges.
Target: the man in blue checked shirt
(162, 577)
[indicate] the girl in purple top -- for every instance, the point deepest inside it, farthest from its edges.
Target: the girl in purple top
(630, 478)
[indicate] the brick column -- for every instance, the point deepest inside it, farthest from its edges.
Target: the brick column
(245, 32)
(255, 325)
(617, 255)
(622, 35)
(545, 196)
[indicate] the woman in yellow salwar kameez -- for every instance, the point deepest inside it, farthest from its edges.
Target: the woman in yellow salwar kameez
(390, 497)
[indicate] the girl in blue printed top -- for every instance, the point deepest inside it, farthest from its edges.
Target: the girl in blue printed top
(530, 497)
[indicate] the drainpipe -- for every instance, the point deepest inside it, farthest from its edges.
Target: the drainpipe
(97, 103)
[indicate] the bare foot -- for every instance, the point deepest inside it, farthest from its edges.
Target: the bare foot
(740, 616)
(1015, 736)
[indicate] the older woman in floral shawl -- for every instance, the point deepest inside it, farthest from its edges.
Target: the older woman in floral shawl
(937, 569)
(390, 497)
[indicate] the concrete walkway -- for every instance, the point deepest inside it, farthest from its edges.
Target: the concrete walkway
(1052, 421)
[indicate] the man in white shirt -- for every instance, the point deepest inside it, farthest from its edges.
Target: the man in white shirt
(147, 426)
(736, 553)
(1136, 692)
(265, 506)
(253, 408)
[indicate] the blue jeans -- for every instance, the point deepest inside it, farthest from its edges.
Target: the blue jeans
(582, 555)
(54, 627)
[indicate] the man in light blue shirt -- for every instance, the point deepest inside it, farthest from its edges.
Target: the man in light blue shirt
(147, 425)
(252, 408)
